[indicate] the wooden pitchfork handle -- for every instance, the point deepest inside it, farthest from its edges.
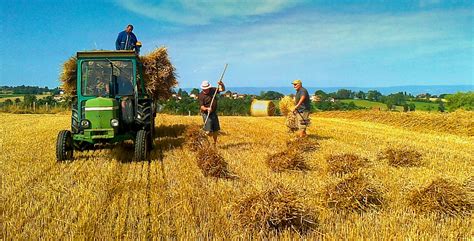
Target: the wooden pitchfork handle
(214, 96)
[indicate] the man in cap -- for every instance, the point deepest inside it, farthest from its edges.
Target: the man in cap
(208, 110)
(126, 40)
(302, 106)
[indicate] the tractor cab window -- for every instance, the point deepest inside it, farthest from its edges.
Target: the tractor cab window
(97, 76)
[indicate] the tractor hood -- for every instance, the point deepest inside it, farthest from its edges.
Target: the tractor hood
(100, 111)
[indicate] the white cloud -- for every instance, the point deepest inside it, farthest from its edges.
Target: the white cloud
(329, 35)
(199, 12)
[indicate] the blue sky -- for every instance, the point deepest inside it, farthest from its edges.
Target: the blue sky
(265, 42)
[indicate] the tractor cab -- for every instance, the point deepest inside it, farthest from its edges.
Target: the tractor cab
(111, 104)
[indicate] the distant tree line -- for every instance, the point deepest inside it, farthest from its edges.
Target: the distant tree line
(391, 101)
(184, 104)
(22, 89)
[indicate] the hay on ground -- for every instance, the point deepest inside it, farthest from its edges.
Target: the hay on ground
(401, 157)
(274, 210)
(212, 164)
(302, 144)
(469, 184)
(196, 138)
(442, 196)
(353, 193)
(345, 163)
(286, 160)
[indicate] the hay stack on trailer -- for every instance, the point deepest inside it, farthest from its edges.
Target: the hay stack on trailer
(262, 108)
(159, 74)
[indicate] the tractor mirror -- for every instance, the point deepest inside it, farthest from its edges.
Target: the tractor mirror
(113, 86)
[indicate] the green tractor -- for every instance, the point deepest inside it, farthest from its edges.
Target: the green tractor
(111, 106)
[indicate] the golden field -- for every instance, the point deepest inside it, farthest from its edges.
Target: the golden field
(101, 194)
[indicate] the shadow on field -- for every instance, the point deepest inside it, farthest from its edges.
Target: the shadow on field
(166, 138)
(318, 137)
(169, 137)
(167, 143)
(238, 145)
(123, 152)
(170, 131)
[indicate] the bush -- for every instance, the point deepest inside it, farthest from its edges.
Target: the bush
(460, 100)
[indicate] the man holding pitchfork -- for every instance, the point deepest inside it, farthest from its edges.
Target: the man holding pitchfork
(208, 106)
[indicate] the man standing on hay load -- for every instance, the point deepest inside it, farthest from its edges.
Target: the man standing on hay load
(126, 40)
(211, 123)
(302, 107)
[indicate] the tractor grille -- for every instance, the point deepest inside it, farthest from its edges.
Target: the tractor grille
(99, 133)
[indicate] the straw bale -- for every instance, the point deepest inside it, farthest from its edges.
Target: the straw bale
(345, 163)
(442, 196)
(273, 210)
(286, 160)
(68, 76)
(212, 164)
(286, 105)
(262, 108)
(401, 157)
(159, 74)
(353, 193)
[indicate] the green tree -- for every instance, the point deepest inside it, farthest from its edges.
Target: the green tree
(322, 95)
(344, 94)
(271, 95)
(441, 107)
(17, 100)
(374, 95)
(361, 95)
(460, 100)
(29, 99)
(195, 91)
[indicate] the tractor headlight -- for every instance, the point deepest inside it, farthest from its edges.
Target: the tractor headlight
(85, 123)
(114, 122)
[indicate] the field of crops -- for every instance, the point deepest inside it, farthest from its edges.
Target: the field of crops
(364, 179)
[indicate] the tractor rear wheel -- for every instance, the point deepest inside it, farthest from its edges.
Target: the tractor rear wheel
(75, 119)
(147, 118)
(142, 145)
(64, 146)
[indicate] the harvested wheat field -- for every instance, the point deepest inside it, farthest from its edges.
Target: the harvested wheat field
(101, 194)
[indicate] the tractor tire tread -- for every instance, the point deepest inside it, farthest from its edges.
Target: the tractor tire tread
(62, 146)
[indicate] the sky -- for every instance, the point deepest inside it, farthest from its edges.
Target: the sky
(267, 43)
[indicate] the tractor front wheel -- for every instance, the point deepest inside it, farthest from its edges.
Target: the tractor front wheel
(142, 145)
(64, 146)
